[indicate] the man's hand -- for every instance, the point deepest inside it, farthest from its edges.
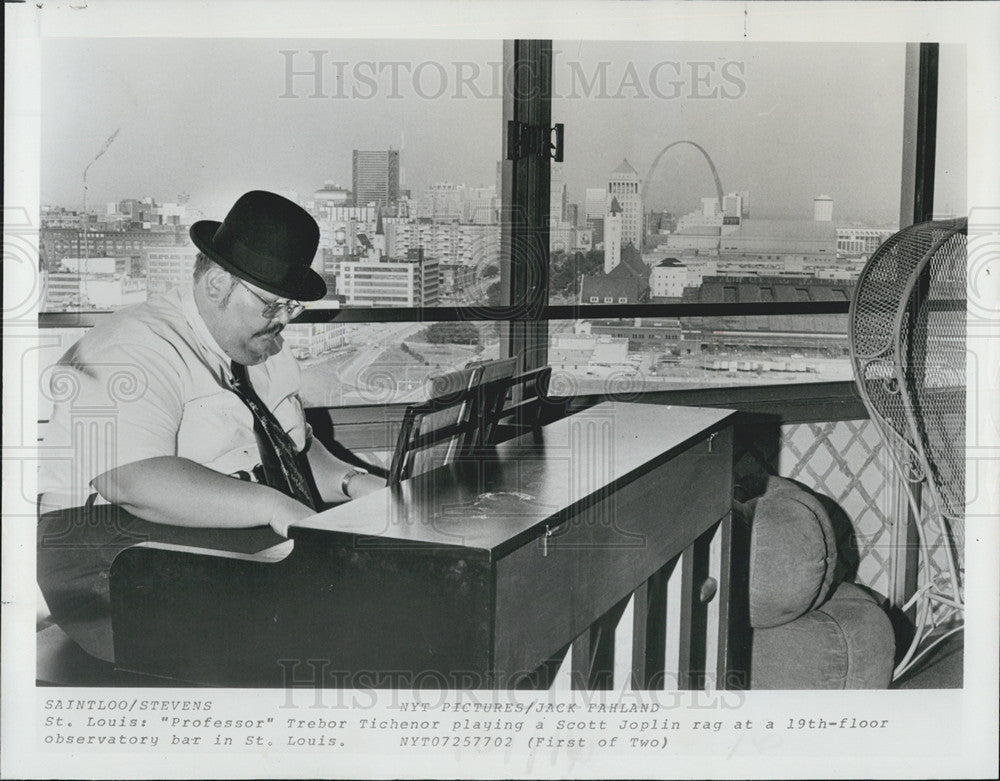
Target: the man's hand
(286, 512)
(329, 472)
(362, 485)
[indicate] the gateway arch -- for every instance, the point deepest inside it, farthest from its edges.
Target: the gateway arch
(656, 162)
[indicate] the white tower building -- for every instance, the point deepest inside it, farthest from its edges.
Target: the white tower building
(823, 208)
(613, 223)
(624, 185)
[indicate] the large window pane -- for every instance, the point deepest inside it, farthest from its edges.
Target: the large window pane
(385, 363)
(623, 357)
(951, 163)
(722, 173)
(392, 145)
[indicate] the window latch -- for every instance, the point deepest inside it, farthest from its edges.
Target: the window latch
(525, 140)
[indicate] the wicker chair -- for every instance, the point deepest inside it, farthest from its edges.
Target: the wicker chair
(907, 336)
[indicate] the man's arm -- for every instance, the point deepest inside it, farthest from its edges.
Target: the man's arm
(329, 472)
(175, 490)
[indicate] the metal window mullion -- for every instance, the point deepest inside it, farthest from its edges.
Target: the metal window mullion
(524, 271)
(88, 319)
(919, 134)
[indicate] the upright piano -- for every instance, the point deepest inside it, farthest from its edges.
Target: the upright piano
(480, 574)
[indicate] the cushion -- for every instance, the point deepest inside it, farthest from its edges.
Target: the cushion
(793, 554)
(847, 643)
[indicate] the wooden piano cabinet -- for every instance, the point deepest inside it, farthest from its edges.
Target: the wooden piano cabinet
(605, 552)
(334, 615)
(474, 575)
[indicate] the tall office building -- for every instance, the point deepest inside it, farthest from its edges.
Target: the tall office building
(413, 282)
(823, 208)
(375, 178)
(449, 242)
(624, 185)
(557, 195)
(442, 201)
(168, 267)
(732, 205)
(482, 206)
(594, 205)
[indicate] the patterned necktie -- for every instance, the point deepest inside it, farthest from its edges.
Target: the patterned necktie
(277, 451)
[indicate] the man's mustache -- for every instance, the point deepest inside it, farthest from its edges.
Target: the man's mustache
(271, 330)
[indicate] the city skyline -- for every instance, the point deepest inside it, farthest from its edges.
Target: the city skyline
(616, 99)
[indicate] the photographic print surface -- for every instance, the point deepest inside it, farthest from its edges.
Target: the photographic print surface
(664, 212)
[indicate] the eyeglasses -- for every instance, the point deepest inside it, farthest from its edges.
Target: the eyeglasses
(273, 308)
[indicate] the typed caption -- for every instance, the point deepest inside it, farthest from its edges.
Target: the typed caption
(403, 723)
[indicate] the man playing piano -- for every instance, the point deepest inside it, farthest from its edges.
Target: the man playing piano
(178, 420)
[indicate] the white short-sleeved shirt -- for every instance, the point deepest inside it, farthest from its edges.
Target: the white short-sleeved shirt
(152, 381)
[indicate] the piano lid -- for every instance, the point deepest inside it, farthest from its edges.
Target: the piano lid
(504, 497)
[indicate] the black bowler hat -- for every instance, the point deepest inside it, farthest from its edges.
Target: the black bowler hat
(268, 241)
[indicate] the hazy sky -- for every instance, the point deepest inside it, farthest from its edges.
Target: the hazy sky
(216, 117)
